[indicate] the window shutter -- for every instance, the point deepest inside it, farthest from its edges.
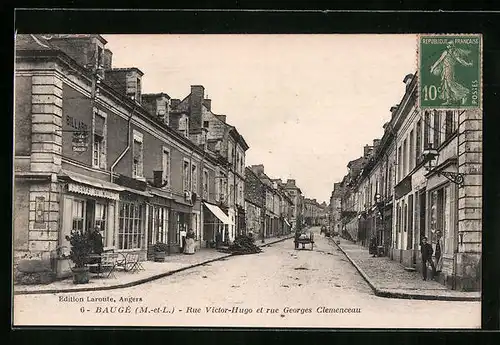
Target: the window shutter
(99, 122)
(67, 222)
(427, 124)
(449, 123)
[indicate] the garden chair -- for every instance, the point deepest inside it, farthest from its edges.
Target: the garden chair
(133, 264)
(108, 263)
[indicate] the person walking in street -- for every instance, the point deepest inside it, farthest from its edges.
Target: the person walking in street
(96, 244)
(182, 235)
(190, 243)
(426, 251)
(296, 240)
(438, 253)
(218, 239)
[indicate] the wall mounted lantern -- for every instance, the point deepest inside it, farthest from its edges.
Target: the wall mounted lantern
(430, 156)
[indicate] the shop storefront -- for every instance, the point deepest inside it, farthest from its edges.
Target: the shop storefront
(159, 213)
(442, 229)
(240, 220)
(87, 203)
(181, 222)
(387, 224)
(215, 220)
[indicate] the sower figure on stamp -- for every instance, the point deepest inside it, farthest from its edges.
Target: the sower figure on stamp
(426, 251)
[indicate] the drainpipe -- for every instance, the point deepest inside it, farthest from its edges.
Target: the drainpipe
(129, 123)
(201, 199)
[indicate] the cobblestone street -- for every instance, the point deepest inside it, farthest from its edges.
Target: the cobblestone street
(279, 278)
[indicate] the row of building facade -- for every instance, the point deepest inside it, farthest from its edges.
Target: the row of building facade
(422, 178)
(90, 149)
(315, 214)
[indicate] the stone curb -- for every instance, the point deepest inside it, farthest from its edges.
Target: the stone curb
(381, 292)
(135, 282)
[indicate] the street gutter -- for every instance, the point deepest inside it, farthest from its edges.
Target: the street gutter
(387, 293)
(140, 281)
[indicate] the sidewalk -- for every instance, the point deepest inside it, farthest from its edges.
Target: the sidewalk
(388, 278)
(152, 270)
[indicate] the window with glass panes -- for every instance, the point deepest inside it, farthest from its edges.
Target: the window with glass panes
(427, 125)
(449, 124)
(194, 178)
(78, 215)
(100, 219)
(205, 184)
(437, 129)
(418, 142)
(99, 141)
(137, 151)
(130, 229)
(185, 175)
(166, 166)
(160, 218)
(411, 158)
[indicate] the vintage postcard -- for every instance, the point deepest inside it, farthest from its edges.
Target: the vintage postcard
(284, 181)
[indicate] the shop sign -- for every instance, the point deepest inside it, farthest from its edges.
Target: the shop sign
(88, 190)
(80, 141)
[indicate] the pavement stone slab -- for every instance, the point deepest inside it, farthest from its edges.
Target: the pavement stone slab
(152, 270)
(390, 279)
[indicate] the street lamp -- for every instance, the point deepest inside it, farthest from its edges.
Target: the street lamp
(431, 156)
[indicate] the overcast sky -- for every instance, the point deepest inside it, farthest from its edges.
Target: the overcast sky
(305, 104)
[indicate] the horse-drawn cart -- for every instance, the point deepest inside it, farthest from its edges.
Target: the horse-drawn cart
(303, 239)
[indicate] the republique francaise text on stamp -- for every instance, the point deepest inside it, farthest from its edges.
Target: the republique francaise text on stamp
(450, 71)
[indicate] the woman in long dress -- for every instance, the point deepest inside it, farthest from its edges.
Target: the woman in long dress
(190, 244)
(451, 90)
(438, 253)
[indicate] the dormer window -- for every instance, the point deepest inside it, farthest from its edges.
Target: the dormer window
(184, 126)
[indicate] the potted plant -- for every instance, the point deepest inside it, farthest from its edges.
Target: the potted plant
(80, 250)
(160, 251)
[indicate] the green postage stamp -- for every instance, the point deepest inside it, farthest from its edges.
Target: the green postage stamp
(450, 71)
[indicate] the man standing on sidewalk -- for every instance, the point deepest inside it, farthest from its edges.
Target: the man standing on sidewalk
(426, 251)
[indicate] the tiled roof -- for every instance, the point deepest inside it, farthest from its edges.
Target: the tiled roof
(32, 42)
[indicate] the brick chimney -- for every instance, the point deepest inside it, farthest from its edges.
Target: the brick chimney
(257, 169)
(207, 103)
(85, 49)
(195, 105)
(367, 151)
(127, 81)
(107, 59)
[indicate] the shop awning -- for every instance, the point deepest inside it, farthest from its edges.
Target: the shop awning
(286, 221)
(219, 213)
(91, 186)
